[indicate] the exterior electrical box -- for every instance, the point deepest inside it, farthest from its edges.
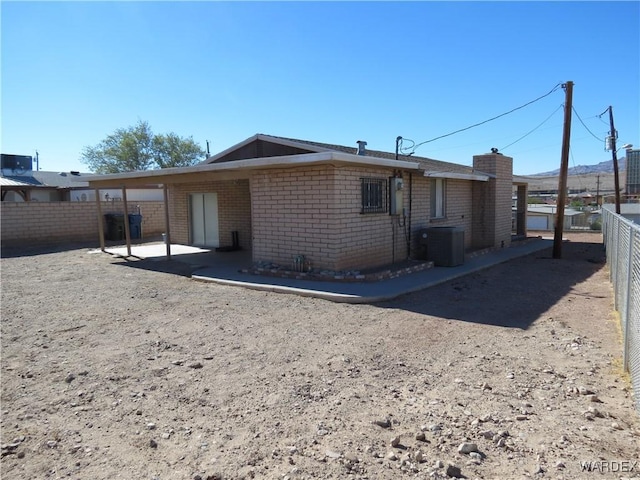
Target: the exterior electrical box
(608, 144)
(396, 196)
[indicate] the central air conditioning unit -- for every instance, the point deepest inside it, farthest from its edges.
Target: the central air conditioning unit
(445, 245)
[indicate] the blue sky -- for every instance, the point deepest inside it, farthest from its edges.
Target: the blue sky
(334, 72)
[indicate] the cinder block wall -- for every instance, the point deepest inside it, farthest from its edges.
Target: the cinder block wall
(42, 223)
(315, 212)
(492, 212)
(458, 207)
(293, 213)
(152, 214)
(366, 240)
(234, 210)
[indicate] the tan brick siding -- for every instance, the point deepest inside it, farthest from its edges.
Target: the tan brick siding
(234, 210)
(316, 213)
(458, 207)
(293, 213)
(492, 202)
(60, 222)
(366, 240)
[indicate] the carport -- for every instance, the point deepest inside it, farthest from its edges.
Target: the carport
(170, 178)
(125, 210)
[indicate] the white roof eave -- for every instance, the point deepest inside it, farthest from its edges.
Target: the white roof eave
(478, 177)
(261, 163)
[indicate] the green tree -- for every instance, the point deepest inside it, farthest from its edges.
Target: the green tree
(170, 150)
(137, 148)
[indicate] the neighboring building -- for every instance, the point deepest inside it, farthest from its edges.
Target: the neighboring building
(631, 211)
(543, 217)
(633, 173)
(338, 207)
(20, 183)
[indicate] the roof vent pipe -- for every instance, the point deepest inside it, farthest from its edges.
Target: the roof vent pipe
(362, 147)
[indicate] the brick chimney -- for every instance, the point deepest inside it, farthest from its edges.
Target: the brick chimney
(492, 201)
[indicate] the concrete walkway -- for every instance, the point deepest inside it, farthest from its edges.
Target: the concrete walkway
(365, 292)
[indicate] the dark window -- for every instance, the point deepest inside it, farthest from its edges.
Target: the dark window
(374, 195)
(438, 198)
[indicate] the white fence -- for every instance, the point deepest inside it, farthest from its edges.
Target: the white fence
(622, 241)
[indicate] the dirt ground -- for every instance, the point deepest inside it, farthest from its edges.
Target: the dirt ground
(111, 370)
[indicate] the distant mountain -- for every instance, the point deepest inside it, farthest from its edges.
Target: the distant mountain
(602, 167)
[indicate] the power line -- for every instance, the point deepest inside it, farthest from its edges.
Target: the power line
(490, 119)
(529, 133)
(607, 124)
(573, 162)
(592, 134)
(404, 149)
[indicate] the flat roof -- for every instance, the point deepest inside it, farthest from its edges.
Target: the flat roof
(252, 164)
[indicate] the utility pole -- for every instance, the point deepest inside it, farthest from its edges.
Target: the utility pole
(564, 169)
(614, 156)
(598, 190)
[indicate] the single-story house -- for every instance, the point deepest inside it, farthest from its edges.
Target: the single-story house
(543, 217)
(631, 211)
(20, 183)
(37, 186)
(337, 207)
(42, 186)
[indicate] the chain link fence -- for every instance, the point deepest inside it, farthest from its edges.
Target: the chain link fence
(622, 242)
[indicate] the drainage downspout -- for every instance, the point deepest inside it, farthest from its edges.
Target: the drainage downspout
(393, 240)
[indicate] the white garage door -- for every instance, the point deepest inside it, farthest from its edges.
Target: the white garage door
(537, 222)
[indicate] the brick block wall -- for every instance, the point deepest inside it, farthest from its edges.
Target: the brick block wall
(293, 213)
(483, 214)
(366, 240)
(315, 212)
(492, 214)
(234, 210)
(458, 208)
(42, 223)
(420, 207)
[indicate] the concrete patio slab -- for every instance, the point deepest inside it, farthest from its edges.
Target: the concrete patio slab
(155, 250)
(368, 292)
(225, 268)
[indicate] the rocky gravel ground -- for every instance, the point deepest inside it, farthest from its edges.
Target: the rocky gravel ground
(112, 369)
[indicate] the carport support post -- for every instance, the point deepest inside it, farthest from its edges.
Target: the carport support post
(167, 240)
(521, 210)
(127, 233)
(100, 220)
